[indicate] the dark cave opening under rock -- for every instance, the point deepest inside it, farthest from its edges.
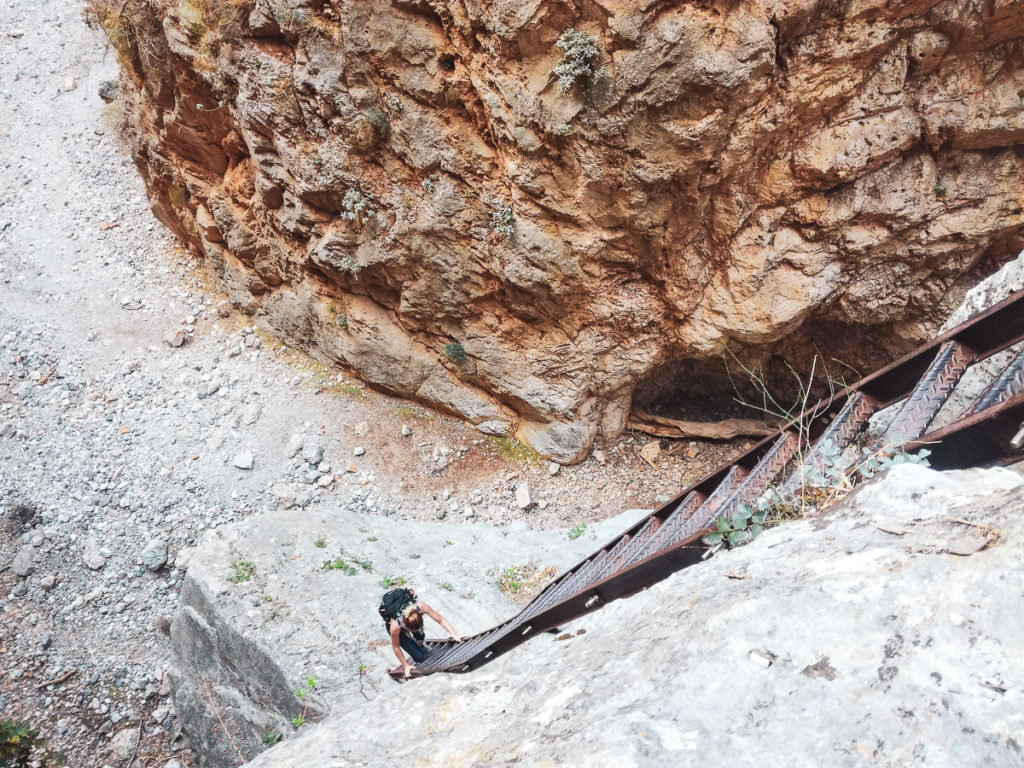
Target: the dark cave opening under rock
(755, 382)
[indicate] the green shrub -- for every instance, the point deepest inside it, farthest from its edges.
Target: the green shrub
(379, 121)
(241, 571)
(17, 742)
(338, 565)
(455, 352)
(823, 482)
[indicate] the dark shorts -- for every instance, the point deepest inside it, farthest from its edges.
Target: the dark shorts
(416, 651)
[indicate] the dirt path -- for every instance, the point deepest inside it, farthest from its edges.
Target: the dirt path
(118, 449)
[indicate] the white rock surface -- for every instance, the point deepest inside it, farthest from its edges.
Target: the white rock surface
(243, 460)
(252, 652)
(523, 496)
(865, 664)
(91, 555)
(989, 292)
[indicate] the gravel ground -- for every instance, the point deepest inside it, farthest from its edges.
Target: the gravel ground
(119, 448)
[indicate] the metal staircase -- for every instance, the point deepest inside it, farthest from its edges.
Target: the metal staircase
(917, 385)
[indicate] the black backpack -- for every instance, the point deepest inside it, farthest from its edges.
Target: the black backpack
(393, 602)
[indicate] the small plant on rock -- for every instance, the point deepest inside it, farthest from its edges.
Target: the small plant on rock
(580, 53)
(356, 207)
(455, 352)
(379, 121)
(823, 482)
(337, 564)
(503, 220)
(577, 531)
(393, 581)
(241, 571)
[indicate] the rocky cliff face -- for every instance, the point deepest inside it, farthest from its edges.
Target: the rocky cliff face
(886, 633)
(407, 189)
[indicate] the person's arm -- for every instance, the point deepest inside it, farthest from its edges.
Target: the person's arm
(395, 633)
(440, 620)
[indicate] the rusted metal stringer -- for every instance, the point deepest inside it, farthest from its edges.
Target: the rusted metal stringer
(918, 385)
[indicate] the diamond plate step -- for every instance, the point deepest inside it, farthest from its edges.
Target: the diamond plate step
(1008, 383)
(841, 432)
(706, 510)
(928, 397)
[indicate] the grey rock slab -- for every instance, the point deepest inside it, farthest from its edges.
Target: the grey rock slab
(253, 653)
(312, 452)
(251, 414)
(154, 555)
(1007, 280)
(285, 494)
(524, 497)
(840, 611)
(294, 446)
(208, 388)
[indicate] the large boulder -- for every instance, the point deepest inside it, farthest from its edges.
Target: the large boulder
(407, 189)
(288, 597)
(887, 633)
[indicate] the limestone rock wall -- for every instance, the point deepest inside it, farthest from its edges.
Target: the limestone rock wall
(887, 632)
(404, 188)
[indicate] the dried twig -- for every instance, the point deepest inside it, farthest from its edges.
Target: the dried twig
(361, 674)
(56, 680)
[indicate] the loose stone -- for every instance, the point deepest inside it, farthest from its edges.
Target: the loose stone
(244, 460)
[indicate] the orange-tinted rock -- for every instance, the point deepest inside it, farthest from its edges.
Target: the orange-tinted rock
(770, 176)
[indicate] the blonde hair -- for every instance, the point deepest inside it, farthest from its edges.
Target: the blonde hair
(412, 617)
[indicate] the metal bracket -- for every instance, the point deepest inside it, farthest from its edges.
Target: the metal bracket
(1017, 441)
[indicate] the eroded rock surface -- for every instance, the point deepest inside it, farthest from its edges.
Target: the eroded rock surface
(405, 188)
(898, 610)
(290, 596)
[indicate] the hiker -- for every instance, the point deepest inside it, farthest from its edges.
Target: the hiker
(403, 616)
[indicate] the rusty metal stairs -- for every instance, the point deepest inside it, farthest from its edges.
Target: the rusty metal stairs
(914, 389)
